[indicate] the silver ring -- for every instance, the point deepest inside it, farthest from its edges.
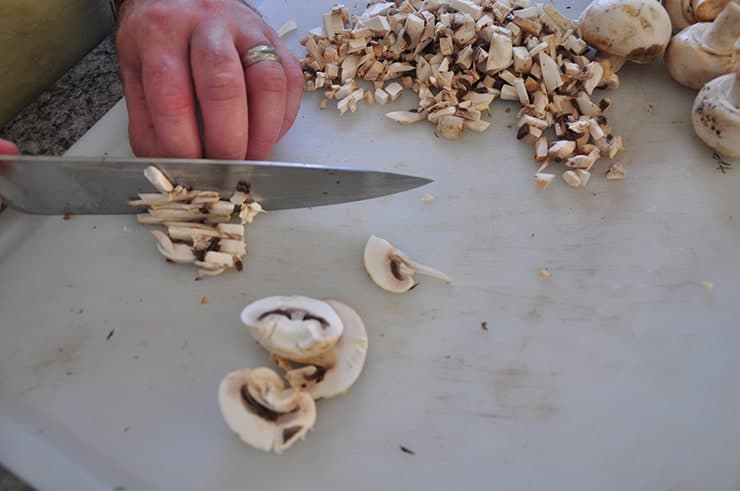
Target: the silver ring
(260, 53)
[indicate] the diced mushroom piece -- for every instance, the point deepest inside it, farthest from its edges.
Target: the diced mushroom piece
(157, 178)
(174, 252)
(522, 59)
(543, 180)
(436, 115)
(540, 149)
(249, 211)
(561, 149)
(615, 171)
(465, 34)
(406, 117)
(479, 126)
(256, 405)
(450, 127)
(333, 23)
(334, 372)
(349, 67)
(293, 327)
(501, 51)
(394, 90)
(571, 178)
(231, 230)
(287, 28)
(575, 44)
(468, 7)
(550, 72)
(509, 93)
(595, 72)
(381, 96)
(584, 175)
(391, 269)
(378, 24)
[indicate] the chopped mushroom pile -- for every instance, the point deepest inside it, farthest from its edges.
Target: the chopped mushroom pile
(457, 56)
(320, 345)
(197, 224)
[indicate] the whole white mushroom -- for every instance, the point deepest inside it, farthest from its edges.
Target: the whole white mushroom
(636, 30)
(716, 116)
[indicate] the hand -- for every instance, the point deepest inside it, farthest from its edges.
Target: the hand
(174, 54)
(7, 148)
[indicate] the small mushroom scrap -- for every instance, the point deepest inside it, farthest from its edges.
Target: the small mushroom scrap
(716, 116)
(265, 414)
(704, 51)
(391, 269)
(197, 224)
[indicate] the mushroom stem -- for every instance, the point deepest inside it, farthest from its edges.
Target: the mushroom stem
(721, 35)
(429, 271)
(735, 91)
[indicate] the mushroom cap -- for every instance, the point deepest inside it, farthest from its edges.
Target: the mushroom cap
(716, 115)
(384, 263)
(638, 30)
(690, 63)
(257, 407)
(333, 373)
(294, 327)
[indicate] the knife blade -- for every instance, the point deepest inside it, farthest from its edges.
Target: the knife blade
(103, 185)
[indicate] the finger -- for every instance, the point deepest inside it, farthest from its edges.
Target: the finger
(266, 97)
(6, 148)
(169, 97)
(222, 95)
(140, 127)
(295, 81)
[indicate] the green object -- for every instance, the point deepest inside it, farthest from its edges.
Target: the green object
(41, 40)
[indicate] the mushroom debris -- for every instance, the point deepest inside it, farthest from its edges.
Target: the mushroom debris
(392, 270)
(197, 223)
(457, 56)
(321, 346)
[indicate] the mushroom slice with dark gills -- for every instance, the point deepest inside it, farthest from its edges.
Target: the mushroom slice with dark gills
(265, 414)
(391, 269)
(293, 327)
(332, 373)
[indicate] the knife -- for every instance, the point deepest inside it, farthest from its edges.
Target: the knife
(104, 185)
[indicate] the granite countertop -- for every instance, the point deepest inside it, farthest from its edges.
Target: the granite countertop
(57, 119)
(64, 112)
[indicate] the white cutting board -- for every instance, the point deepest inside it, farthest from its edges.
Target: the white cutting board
(618, 373)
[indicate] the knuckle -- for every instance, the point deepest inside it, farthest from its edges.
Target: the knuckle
(222, 86)
(158, 14)
(272, 81)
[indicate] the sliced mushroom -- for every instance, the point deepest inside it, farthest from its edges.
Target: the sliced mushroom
(637, 30)
(706, 50)
(333, 373)
(294, 327)
(391, 269)
(263, 413)
(174, 252)
(716, 116)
